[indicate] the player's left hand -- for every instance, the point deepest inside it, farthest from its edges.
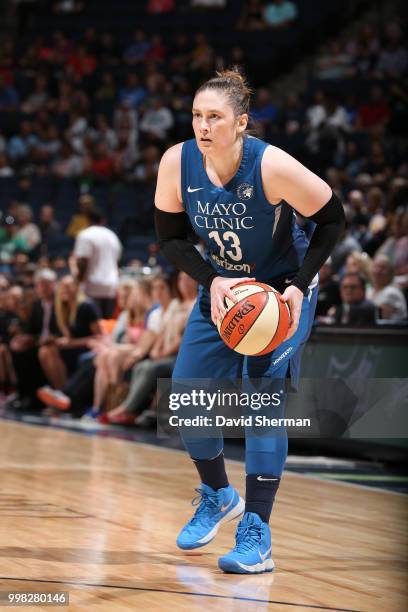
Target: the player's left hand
(294, 299)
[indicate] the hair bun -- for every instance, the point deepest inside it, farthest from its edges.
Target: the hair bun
(232, 74)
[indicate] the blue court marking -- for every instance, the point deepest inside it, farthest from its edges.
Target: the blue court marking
(152, 590)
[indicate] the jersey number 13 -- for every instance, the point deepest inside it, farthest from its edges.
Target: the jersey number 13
(234, 246)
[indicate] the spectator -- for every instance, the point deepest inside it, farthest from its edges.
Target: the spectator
(108, 52)
(136, 52)
(347, 245)
(264, 111)
(48, 225)
(125, 118)
(96, 255)
(355, 209)
(355, 310)
(351, 161)
(11, 321)
(202, 55)
(140, 330)
(252, 16)
(393, 61)
(77, 393)
(40, 328)
(157, 52)
(147, 167)
(396, 246)
(77, 129)
(359, 263)
(157, 120)
(377, 165)
(103, 132)
(335, 63)
(280, 14)
(5, 169)
(78, 321)
(106, 92)
(67, 164)
(82, 62)
(10, 243)
(329, 293)
(48, 145)
(27, 230)
(133, 94)
(374, 112)
(80, 220)
(389, 299)
(161, 355)
(100, 163)
(38, 98)
(9, 99)
(368, 37)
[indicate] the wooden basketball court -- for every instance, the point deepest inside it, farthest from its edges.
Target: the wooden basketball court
(98, 517)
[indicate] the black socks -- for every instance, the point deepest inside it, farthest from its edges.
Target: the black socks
(260, 494)
(212, 471)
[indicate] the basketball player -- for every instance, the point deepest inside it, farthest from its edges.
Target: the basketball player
(240, 195)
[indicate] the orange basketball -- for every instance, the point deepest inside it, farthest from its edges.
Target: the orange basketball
(258, 322)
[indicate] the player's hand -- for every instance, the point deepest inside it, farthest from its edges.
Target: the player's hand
(294, 299)
(220, 289)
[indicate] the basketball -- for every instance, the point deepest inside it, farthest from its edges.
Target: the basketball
(257, 323)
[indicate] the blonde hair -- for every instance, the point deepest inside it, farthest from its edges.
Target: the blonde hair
(136, 313)
(363, 262)
(65, 314)
(233, 84)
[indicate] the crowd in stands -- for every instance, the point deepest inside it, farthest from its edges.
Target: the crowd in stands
(80, 336)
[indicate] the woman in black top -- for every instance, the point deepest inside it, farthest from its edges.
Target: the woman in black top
(78, 322)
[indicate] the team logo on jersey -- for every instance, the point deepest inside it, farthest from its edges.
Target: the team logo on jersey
(245, 191)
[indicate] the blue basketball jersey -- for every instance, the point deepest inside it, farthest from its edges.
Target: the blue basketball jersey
(243, 233)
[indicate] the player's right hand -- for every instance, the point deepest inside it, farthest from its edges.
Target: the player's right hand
(220, 289)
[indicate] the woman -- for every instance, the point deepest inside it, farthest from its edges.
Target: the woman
(78, 322)
(165, 315)
(359, 263)
(11, 322)
(161, 357)
(240, 195)
(161, 293)
(110, 358)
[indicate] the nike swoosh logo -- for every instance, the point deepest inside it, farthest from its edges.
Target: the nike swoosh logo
(267, 479)
(224, 508)
(268, 552)
(190, 190)
(288, 281)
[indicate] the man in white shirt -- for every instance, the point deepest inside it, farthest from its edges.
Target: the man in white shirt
(97, 252)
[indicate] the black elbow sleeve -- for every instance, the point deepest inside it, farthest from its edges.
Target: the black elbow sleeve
(171, 225)
(330, 222)
(172, 231)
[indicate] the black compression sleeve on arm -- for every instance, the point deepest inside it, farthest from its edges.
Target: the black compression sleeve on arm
(330, 222)
(172, 231)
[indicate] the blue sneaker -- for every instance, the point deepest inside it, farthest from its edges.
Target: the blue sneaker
(253, 549)
(214, 508)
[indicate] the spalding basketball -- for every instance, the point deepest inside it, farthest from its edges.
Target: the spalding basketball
(258, 322)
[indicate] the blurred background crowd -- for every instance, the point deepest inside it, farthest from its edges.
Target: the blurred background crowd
(88, 103)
